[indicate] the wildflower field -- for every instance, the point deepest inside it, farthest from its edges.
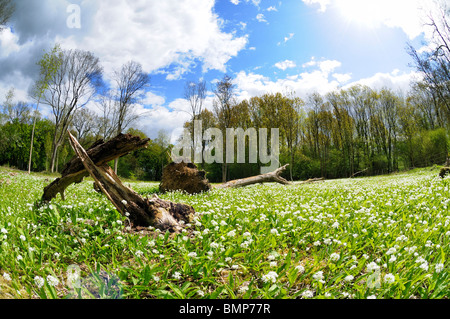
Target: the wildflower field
(380, 237)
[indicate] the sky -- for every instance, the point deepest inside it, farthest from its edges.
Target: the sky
(266, 46)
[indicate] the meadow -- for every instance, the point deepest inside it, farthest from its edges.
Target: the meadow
(364, 238)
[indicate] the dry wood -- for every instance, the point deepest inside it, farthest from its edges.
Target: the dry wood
(311, 181)
(100, 153)
(273, 177)
(141, 211)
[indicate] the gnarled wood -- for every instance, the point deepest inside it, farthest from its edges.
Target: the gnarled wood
(100, 153)
(141, 211)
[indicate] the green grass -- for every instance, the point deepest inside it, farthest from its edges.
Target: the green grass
(383, 237)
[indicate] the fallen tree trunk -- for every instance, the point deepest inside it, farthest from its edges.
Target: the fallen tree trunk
(100, 153)
(142, 212)
(273, 177)
(311, 181)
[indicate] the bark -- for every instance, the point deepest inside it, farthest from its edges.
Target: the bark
(264, 178)
(142, 212)
(100, 153)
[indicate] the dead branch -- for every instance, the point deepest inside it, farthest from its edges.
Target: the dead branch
(273, 177)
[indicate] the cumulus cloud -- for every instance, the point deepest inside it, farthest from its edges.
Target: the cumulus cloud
(321, 78)
(157, 34)
(284, 65)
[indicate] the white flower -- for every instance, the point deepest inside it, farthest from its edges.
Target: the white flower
(274, 231)
(176, 275)
(273, 264)
(214, 245)
(372, 297)
(392, 259)
(223, 223)
(335, 257)
(39, 281)
(318, 275)
(271, 276)
(19, 257)
(300, 269)
(439, 267)
(389, 278)
(317, 243)
(200, 293)
(424, 266)
(335, 225)
(228, 259)
(192, 255)
(243, 289)
(307, 294)
(372, 266)
(349, 278)
(139, 253)
(391, 251)
(235, 267)
(6, 276)
(52, 281)
(4, 231)
(23, 238)
(124, 202)
(231, 233)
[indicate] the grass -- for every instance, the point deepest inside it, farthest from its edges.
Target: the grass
(379, 237)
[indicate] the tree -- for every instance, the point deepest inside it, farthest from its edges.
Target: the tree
(71, 87)
(435, 65)
(84, 123)
(130, 82)
(223, 106)
(195, 93)
(48, 66)
(6, 11)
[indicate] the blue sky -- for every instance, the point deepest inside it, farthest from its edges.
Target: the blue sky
(267, 46)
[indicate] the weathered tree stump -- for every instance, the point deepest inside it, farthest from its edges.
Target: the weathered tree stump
(142, 212)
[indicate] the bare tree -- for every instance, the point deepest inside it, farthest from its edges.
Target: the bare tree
(195, 93)
(70, 88)
(84, 122)
(130, 81)
(6, 11)
(223, 109)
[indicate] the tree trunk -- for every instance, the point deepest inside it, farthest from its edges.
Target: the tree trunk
(264, 178)
(142, 212)
(100, 153)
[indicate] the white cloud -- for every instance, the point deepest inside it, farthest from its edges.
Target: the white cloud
(408, 15)
(261, 18)
(235, 2)
(342, 78)
(321, 79)
(395, 80)
(322, 3)
(284, 65)
(272, 8)
(329, 66)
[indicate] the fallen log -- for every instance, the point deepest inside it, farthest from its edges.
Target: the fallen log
(100, 153)
(311, 181)
(142, 212)
(273, 177)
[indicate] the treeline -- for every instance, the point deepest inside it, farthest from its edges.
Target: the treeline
(341, 134)
(16, 125)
